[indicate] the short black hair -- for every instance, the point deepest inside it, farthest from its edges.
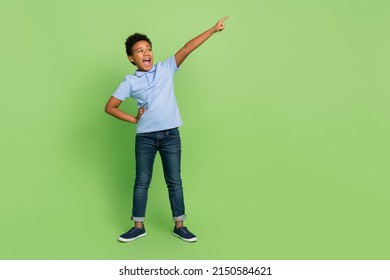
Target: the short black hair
(131, 40)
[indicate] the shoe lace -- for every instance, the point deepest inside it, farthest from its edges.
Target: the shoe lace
(133, 229)
(184, 230)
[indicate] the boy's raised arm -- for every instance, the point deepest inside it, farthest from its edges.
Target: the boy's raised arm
(191, 45)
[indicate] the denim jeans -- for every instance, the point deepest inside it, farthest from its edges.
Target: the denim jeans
(168, 144)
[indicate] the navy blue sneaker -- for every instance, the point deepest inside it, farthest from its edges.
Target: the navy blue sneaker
(184, 234)
(132, 234)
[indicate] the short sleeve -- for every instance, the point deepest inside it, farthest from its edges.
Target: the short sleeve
(170, 64)
(123, 90)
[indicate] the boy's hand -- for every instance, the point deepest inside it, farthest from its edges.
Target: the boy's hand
(220, 25)
(141, 111)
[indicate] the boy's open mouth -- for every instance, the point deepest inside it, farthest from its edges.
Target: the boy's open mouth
(146, 62)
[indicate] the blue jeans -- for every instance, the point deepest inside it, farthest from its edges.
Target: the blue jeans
(168, 144)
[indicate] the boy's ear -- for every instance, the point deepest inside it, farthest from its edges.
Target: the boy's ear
(130, 57)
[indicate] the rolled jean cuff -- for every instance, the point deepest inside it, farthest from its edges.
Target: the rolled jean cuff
(138, 219)
(179, 218)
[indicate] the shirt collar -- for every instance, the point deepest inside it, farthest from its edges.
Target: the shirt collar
(141, 73)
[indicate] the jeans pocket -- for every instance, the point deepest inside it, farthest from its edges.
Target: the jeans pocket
(174, 132)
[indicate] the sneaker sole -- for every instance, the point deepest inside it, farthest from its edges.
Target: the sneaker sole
(121, 239)
(185, 239)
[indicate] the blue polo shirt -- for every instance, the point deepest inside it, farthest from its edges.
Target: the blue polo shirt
(153, 90)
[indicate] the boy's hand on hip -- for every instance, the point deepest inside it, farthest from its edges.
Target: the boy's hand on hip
(141, 111)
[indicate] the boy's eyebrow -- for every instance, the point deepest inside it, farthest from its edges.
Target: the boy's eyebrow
(140, 48)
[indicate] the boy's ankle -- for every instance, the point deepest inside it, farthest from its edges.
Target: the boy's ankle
(179, 224)
(139, 225)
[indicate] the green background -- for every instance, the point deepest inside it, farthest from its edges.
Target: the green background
(285, 142)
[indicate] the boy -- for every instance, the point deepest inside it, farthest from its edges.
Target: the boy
(157, 121)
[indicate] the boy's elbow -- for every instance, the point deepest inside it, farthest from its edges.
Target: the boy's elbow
(107, 109)
(112, 105)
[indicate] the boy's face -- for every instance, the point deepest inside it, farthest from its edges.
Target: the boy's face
(142, 55)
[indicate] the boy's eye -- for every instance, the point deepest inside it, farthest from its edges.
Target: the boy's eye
(141, 50)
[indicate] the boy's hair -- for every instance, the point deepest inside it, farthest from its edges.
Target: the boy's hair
(131, 40)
